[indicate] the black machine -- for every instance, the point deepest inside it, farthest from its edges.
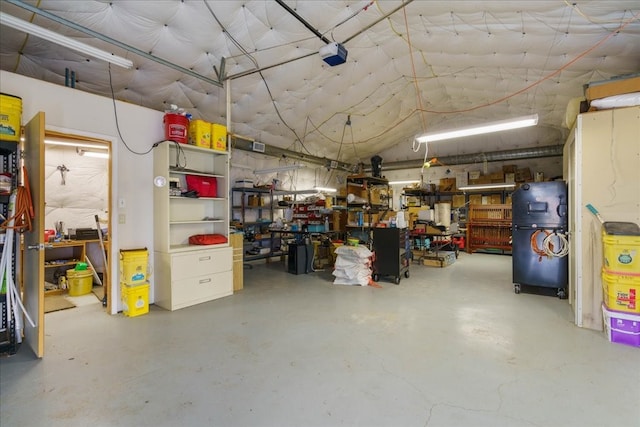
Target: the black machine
(539, 245)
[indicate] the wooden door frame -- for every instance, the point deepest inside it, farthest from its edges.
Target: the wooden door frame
(74, 136)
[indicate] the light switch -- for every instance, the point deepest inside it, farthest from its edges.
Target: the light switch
(122, 219)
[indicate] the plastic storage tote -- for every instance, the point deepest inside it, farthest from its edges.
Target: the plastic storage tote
(621, 241)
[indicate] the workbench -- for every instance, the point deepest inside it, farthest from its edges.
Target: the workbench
(437, 242)
(65, 254)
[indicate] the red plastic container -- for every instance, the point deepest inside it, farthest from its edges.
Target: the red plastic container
(176, 128)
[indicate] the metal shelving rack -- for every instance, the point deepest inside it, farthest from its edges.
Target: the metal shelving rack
(374, 207)
(258, 231)
(8, 341)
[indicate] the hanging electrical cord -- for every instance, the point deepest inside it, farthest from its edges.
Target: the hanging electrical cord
(255, 63)
(548, 250)
(23, 212)
(115, 114)
(534, 244)
(563, 243)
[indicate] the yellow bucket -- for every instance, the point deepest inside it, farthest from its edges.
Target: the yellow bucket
(135, 299)
(10, 117)
(621, 292)
(622, 253)
(218, 137)
(80, 282)
(134, 266)
(200, 133)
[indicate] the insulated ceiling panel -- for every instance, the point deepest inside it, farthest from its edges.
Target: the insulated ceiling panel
(412, 66)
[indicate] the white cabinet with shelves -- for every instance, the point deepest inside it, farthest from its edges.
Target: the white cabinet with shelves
(209, 274)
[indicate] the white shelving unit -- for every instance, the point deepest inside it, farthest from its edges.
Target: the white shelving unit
(190, 274)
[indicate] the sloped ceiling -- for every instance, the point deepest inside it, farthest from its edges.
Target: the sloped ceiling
(412, 66)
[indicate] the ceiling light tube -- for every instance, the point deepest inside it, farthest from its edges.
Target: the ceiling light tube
(75, 144)
(326, 189)
(411, 181)
(97, 154)
(43, 33)
(278, 169)
(485, 186)
(498, 126)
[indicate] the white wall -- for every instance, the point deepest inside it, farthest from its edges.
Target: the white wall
(73, 111)
(81, 193)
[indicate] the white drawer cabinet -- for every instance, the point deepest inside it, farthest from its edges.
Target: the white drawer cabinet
(185, 279)
(186, 274)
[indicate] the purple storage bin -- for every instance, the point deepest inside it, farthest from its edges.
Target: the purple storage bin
(622, 328)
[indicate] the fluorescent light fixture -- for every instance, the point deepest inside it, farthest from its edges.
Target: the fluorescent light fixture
(74, 144)
(43, 33)
(87, 153)
(326, 189)
(516, 123)
(278, 169)
(486, 186)
(411, 181)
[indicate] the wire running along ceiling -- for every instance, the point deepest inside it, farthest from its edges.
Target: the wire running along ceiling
(425, 67)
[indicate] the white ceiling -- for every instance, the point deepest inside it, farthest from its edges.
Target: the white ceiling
(430, 65)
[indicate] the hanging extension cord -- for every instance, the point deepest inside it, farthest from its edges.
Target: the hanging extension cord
(547, 245)
(548, 250)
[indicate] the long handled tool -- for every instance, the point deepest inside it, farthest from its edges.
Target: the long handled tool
(104, 259)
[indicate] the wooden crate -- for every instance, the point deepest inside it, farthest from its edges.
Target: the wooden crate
(489, 227)
(484, 213)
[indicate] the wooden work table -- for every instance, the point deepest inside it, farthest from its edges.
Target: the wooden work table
(65, 254)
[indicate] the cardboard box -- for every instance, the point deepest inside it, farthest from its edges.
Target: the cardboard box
(509, 168)
(474, 174)
(539, 177)
(375, 196)
(497, 177)
(523, 175)
(496, 199)
(457, 200)
(447, 184)
(439, 259)
(510, 178)
(475, 199)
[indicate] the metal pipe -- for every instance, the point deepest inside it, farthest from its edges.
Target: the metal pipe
(305, 23)
(240, 143)
(257, 70)
(496, 156)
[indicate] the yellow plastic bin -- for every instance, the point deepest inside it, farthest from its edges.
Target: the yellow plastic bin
(135, 299)
(10, 117)
(621, 292)
(621, 247)
(218, 137)
(134, 266)
(200, 133)
(80, 282)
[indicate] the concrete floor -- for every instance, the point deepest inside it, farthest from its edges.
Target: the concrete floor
(447, 347)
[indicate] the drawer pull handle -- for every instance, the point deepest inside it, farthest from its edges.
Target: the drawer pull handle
(205, 281)
(205, 258)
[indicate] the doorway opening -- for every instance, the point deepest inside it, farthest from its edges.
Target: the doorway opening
(77, 221)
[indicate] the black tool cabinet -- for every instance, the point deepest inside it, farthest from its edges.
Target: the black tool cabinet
(392, 253)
